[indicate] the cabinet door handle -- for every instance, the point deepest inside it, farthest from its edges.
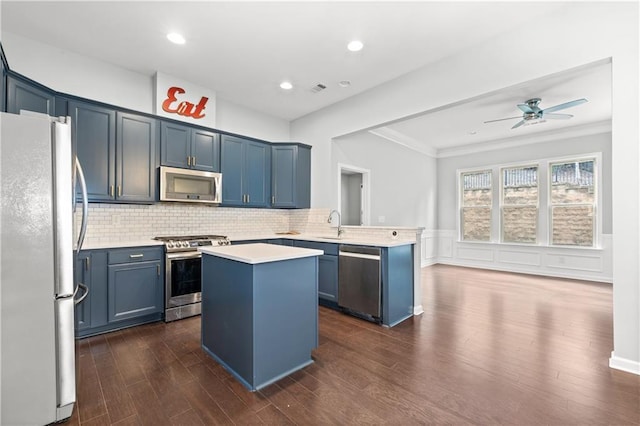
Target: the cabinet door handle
(248, 199)
(188, 160)
(158, 269)
(111, 190)
(136, 256)
(119, 191)
(273, 199)
(193, 161)
(87, 263)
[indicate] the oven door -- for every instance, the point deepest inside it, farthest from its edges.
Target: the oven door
(183, 278)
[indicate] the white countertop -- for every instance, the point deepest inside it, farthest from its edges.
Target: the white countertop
(353, 240)
(259, 252)
(93, 245)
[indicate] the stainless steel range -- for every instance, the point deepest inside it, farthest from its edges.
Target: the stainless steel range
(182, 273)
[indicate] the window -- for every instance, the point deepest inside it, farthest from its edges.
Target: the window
(546, 202)
(519, 204)
(573, 201)
(476, 206)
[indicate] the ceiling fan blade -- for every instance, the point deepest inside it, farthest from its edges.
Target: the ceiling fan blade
(518, 124)
(525, 108)
(557, 116)
(565, 105)
(502, 119)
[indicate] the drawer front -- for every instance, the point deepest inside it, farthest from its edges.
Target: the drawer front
(135, 254)
(328, 248)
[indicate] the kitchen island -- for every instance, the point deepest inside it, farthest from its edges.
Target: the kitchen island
(260, 309)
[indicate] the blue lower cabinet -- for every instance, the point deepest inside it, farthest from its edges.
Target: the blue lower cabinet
(260, 321)
(328, 278)
(397, 284)
(327, 270)
(83, 275)
(126, 288)
(135, 290)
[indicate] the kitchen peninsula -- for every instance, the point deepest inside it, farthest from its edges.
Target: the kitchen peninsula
(260, 309)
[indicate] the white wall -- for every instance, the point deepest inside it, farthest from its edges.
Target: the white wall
(594, 264)
(567, 146)
(402, 181)
(582, 33)
(67, 72)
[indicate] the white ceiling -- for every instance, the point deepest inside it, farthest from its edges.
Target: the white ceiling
(243, 50)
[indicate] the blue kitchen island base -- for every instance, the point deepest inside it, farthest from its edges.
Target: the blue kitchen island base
(260, 320)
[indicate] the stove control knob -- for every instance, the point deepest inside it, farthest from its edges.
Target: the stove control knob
(184, 244)
(170, 244)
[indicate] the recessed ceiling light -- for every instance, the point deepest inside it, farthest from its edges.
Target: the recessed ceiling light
(286, 85)
(176, 38)
(344, 83)
(473, 132)
(355, 46)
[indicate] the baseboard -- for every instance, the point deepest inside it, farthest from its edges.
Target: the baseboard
(544, 273)
(418, 310)
(624, 364)
(428, 262)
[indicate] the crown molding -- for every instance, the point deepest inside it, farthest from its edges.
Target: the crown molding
(566, 132)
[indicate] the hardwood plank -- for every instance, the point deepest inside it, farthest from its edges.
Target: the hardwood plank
(491, 348)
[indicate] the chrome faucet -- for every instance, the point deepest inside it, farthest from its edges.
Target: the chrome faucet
(340, 231)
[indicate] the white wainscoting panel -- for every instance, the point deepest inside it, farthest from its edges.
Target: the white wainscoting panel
(445, 243)
(519, 257)
(429, 255)
(472, 253)
(592, 264)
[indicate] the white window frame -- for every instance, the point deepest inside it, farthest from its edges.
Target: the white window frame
(544, 196)
(502, 205)
(597, 181)
(461, 204)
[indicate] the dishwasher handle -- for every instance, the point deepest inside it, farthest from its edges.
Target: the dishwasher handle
(347, 250)
(360, 255)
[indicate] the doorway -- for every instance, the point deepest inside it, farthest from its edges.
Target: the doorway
(354, 195)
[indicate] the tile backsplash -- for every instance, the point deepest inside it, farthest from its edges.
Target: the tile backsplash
(127, 222)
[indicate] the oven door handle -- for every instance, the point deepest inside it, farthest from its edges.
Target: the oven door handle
(183, 255)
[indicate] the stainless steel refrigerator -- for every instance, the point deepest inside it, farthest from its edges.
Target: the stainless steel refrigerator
(37, 289)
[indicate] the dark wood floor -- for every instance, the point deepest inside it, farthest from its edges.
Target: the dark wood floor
(491, 348)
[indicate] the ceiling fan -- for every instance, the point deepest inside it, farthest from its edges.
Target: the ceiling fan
(531, 111)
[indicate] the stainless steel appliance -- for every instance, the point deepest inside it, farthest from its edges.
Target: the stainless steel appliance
(193, 186)
(37, 293)
(359, 284)
(182, 276)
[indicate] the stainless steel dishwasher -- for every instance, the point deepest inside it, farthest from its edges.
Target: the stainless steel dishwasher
(359, 285)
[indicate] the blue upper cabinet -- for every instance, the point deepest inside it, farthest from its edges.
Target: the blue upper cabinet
(291, 176)
(189, 147)
(23, 94)
(136, 158)
(118, 152)
(246, 172)
(93, 130)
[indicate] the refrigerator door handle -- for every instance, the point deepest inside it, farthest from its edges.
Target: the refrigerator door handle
(85, 206)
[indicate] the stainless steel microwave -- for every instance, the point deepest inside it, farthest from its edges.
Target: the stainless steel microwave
(190, 186)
